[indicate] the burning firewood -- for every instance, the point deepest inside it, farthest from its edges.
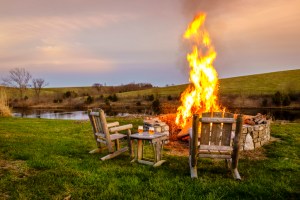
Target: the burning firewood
(257, 119)
(169, 119)
(185, 130)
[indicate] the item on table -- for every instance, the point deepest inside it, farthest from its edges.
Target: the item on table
(151, 130)
(140, 130)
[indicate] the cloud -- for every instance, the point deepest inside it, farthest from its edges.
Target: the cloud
(33, 28)
(49, 43)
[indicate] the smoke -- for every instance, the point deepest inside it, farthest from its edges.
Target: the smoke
(215, 11)
(191, 7)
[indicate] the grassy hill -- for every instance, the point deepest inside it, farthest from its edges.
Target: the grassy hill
(257, 84)
(244, 87)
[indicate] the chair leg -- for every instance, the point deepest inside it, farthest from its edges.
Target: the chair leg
(228, 163)
(131, 148)
(114, 154)
(193, 169)
(98, 150)
(117, 144)
(130, 144)
(194, 147)
(236, 174)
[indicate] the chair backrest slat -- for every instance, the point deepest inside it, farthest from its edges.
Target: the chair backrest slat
(104, 127)
(98, 124)
(213, 132)
(226, 132)
(205, 131)
(216, 130)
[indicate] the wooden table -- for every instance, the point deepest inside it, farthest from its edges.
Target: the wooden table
(157, 141)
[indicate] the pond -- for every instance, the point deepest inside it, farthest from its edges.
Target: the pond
(51, 114)
(277, 114)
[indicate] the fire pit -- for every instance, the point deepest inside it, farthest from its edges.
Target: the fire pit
(255, 132)
(253, 135)
(202, 93)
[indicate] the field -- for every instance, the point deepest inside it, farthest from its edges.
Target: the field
(49, 159)
(259, 84)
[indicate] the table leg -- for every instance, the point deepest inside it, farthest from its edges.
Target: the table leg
(154, 150)
(158, 154)
(134, 150)
(140, 150)
(158, 151)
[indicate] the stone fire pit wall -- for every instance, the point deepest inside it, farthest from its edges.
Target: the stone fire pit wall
(254, 136)
(159, 126)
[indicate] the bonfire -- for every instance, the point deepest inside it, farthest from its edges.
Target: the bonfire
(201, 95)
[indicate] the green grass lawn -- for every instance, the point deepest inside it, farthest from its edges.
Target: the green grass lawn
(49, 159)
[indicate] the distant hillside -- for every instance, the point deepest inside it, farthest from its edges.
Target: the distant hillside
(258, 84)
(267, 83)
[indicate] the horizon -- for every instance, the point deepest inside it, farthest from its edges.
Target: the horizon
(76, 43)
(168, 85)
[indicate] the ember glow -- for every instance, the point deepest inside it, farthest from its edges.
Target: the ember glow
(201, 95)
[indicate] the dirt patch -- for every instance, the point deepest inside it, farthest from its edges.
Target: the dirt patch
(257, 154)
(181, 148)
(178, 148)
(17, 168)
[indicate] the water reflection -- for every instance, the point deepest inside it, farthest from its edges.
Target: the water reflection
(51, 114)
(276, 114)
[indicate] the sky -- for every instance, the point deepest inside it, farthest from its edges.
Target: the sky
(82, 42)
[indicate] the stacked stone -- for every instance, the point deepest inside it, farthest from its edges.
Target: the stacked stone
(255, 136)
(159, 126)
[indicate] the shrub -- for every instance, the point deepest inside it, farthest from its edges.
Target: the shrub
(138, 103)
(4, 109)
(286, 100)
(280, 99)
(156, 106)
(89, 100)
(170, 98)
(57, 101)
(70, 94)
(150, 97)
(112, 98)
(293, 95)
(107, 102)
(277, 98)
(264, 102)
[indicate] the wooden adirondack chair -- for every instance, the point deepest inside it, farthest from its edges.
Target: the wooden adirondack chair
(102, 134)
(215, 140)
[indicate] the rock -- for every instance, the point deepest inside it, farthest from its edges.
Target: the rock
(248, 143)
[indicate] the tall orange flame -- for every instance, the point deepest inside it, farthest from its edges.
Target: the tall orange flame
(201, 95)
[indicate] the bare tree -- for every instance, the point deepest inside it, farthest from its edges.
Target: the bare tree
(18, 78)
(37, 85)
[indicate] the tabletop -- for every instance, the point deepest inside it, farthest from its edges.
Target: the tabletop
(147, 136)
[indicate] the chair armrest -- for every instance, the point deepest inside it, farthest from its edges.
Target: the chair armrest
(109, 125)
(120, 128)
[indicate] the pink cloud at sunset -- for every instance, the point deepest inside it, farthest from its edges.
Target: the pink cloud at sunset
(138, 40)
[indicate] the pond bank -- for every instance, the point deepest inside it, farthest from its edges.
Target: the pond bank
(81, 114)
